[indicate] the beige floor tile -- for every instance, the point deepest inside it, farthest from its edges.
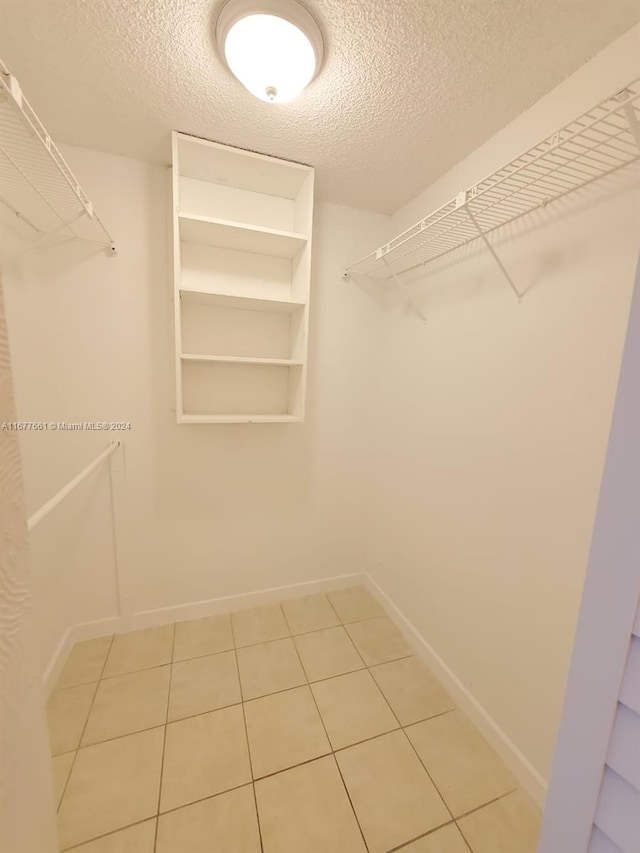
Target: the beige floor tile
(412, 691)
(135, 839)
(84, 663)
(128, 703)
(328, 653)
(445, 840)
(139, 650)
(306, 810)
(112, 785)
(378, 640)
(268, 668)
(467, 772)
(61, 765)
(203, 684)
(512, 823)
(311, 613)
(223, 824)
(392, 795)
(284, 729)
(67, 712)
(259, 625)
(204, 756)
(206, 636)
(352, 708)
(354, 603)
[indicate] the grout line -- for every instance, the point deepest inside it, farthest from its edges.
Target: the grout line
(408, 739)
(488, 803)
(77, 749)
(107, 834)
(291, 635)
(164, 741)
(364, 841)
(246, 732)
(405, 844)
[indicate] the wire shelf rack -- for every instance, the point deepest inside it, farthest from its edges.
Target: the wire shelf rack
(39, 196)
(598, 143)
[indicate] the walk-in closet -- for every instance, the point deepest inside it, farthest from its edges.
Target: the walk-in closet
(319, 426)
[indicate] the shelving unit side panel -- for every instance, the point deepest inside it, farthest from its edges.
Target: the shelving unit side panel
(303, 206)
(174, 244)
(297, 391)
(301, 289)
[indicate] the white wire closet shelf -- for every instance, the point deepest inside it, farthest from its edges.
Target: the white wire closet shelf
(598, 143)
(40, 199)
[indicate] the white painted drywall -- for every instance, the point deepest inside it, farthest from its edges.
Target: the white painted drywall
(493, 425)
(27, 807)
(209, 510)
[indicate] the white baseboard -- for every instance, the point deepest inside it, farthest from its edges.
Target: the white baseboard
(211, 606)
(81, 631)
(520, 766)
(182, 612)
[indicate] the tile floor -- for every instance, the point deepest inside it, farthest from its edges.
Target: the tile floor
(305, 727)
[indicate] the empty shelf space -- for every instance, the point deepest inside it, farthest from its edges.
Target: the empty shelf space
(242, 303)
(239, 419)
(233, 359)
(241, 237)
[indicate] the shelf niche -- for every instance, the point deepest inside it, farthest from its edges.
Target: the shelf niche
(242, 258)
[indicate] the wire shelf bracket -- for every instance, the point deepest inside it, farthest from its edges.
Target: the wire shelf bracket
(38, 190)
(601, 142)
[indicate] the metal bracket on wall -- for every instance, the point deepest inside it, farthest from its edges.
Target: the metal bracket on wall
(463, 201)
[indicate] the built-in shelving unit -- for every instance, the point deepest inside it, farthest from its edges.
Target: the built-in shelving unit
(600, 142)
(40, 198)
(242, 261)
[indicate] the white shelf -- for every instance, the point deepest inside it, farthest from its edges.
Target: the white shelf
(242, 227)
(602, 141)
(210, 161)
(39, 194)
(239, 419)
(243, 303)
(233, 359)
(240, 237)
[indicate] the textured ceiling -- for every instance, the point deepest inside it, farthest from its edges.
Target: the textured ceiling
(407, 89)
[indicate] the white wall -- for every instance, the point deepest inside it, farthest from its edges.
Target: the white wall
(494, 419)
(27, 808)
(210, 510)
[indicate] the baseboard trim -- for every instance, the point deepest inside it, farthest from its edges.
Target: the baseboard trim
(81, 631)
(182, 612)
(520, 766)
(211, 606)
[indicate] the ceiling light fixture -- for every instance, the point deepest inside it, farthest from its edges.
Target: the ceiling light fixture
(273, 47)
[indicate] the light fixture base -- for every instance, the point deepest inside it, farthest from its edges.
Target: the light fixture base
(288, 10)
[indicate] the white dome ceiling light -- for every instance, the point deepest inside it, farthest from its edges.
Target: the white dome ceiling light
(273, 47)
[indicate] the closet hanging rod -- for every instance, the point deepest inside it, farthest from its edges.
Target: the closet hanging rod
(51, 504)
(38, 186)
(598, 143)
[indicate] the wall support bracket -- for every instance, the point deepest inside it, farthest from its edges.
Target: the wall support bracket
(407, 292)
(492, 251)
